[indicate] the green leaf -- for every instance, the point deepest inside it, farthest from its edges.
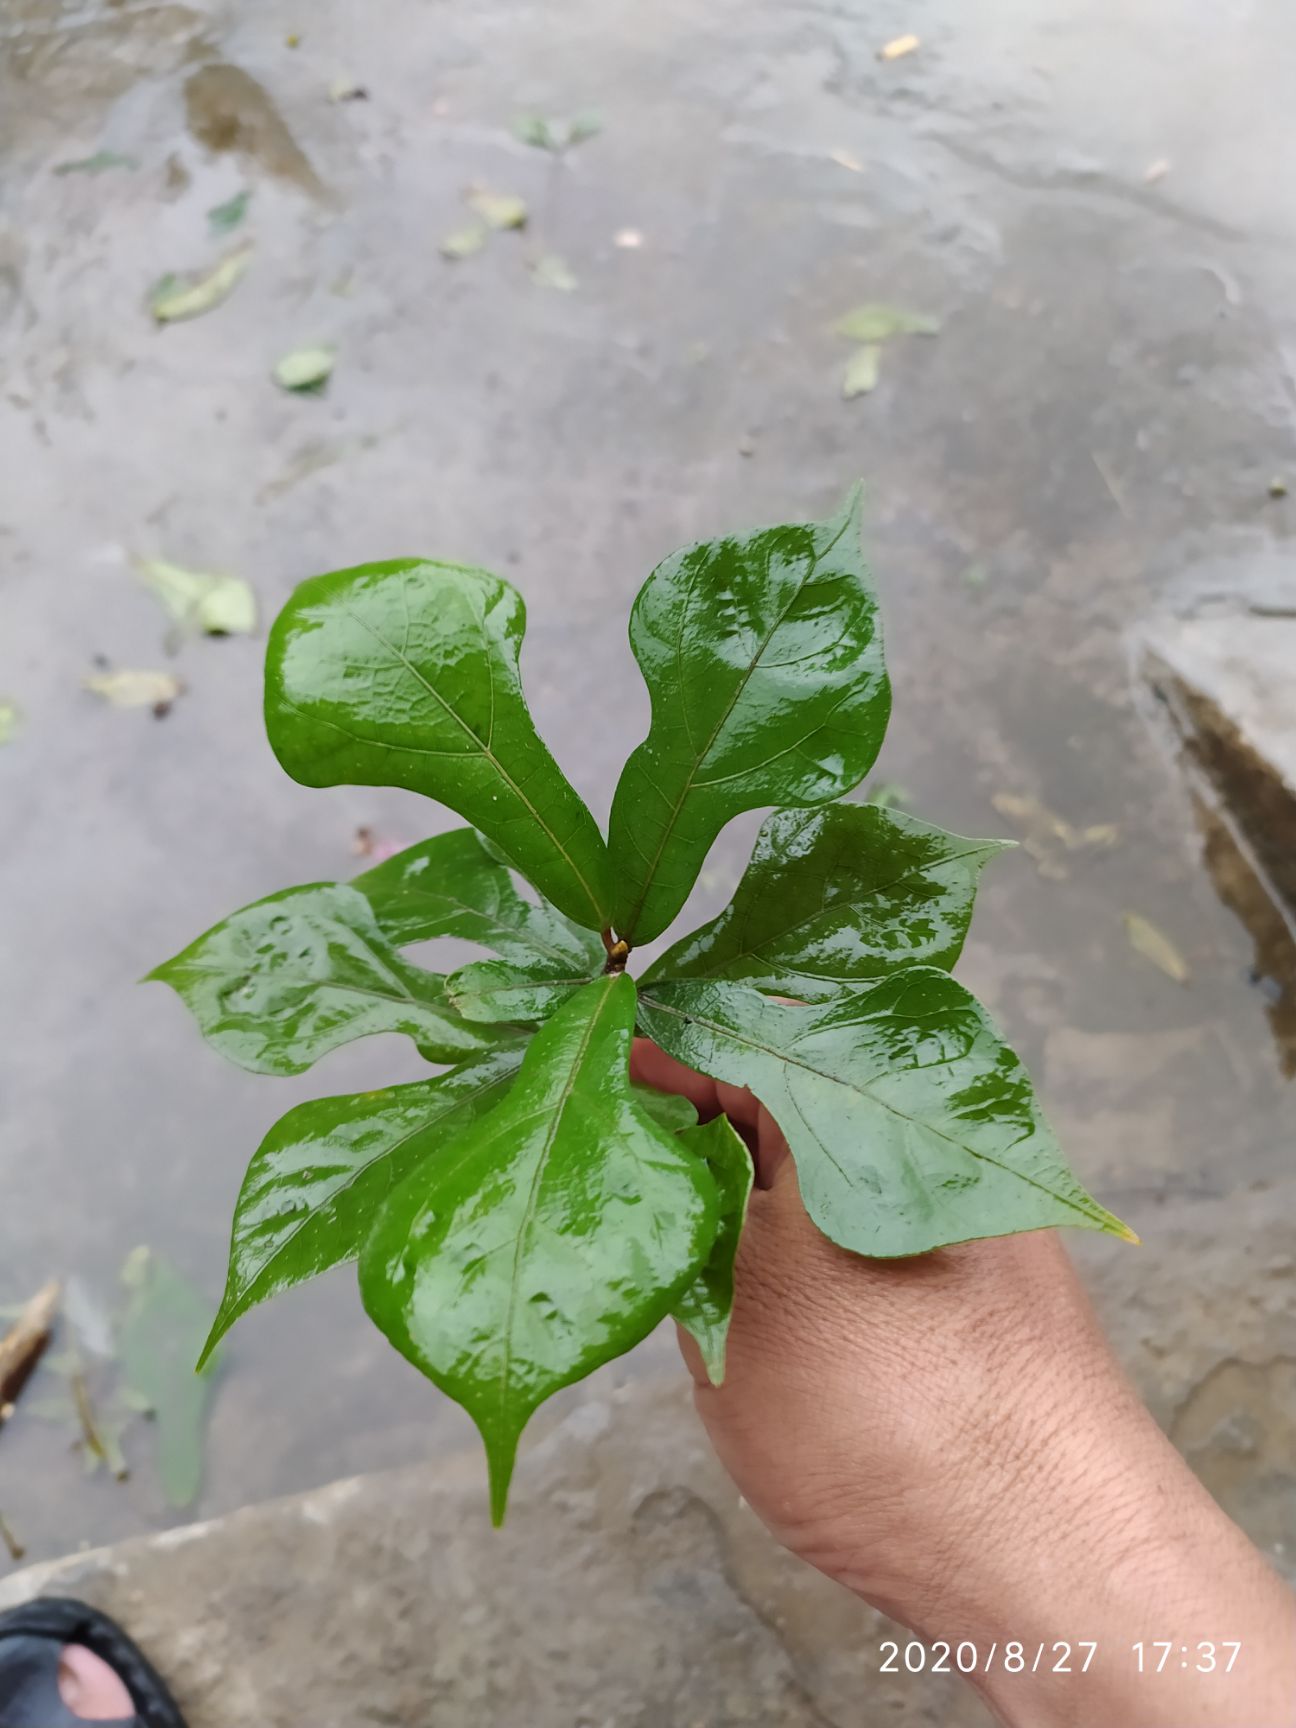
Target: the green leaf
(493, 990)
(406, 674)
(305, 369)
(703, 1310)
(501, 210)
(552, 1235)
(175, 298)
(99, 163)
(452, 885)
(464, 242)
(216, 605)
(911, 1122)
(281, 983)
(875, 321)
(158, 1336)
(667, 1109)
(862, 369)
(835, 897)
(223, 218)
(318, 1179)
(763, 657)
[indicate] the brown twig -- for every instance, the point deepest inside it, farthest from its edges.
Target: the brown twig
(11, 1542)
(24, 1343)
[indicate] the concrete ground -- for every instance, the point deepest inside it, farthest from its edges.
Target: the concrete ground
(1095, 200)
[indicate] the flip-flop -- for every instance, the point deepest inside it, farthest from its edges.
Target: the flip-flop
(32, 1639)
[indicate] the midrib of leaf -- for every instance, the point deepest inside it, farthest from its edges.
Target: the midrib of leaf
(701, 756)
(834, 907)
(864, 1092)
(492, 924)
(533, 1196)
(389, 1152)
(482, 745)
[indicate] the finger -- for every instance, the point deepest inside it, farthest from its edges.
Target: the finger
(651, 1066)
(771, 1149)
(692, 1356)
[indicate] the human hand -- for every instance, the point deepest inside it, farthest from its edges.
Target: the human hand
(951, 1437)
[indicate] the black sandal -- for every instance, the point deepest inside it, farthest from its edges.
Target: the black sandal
(33, 1638)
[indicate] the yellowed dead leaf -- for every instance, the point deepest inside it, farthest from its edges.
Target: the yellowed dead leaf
(898, 47)
(1046, 835)
(136, 689)
(1156, 946)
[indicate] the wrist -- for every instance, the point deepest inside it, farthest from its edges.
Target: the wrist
(1109, 1587)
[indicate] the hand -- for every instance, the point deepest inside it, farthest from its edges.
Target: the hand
(951, 1437)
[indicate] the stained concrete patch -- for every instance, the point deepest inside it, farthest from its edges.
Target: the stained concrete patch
(630, 1587)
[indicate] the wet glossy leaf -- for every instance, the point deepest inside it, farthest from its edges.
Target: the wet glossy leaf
(281, 983)
(667, 1109)
(452, 885)
(160, 1330)
(318, 1179)
(406, 674)
(175, 298)
(703, 1310)
(835, 897)
(552, 1235)
(494, 990)
(911, 1122)
(763, 657)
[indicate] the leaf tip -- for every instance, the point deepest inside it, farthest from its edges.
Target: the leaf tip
(500, 1459)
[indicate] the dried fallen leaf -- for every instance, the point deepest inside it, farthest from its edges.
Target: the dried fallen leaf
(305, 369)
(1156, 170)
(861, 374)
(898, 47)
(23, 1344)
(497, 209)
(551, 271)
(846, 159)
(136, 689)
(99, 163)
(222, 218)
(175, 298)
(1156, 946)
(11, 1542)
(464, 241)
(10, 720)
(215, 605)
(1047, 834)
(875, 321)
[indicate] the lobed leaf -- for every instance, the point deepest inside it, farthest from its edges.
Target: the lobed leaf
(835, 897)
(763, 657)
(318, 1179)
(454, 885)
(912, 1123)
(552, 1235)
(491, 991)
(704, 1309)
(406, 674)
(282, 982)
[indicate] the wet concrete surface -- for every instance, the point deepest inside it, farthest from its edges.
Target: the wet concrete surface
(1090, 441)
